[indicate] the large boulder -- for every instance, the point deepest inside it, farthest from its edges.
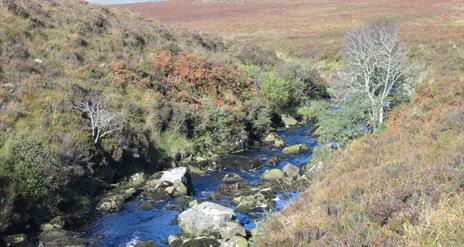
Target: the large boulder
(291, 170)
(288, 121)
(275, 140)
(295, 149)
(209, 218)
(272, 174)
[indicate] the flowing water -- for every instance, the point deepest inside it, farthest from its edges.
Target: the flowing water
(132, 224)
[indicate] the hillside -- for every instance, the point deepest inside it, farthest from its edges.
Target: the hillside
(402, 186)
(311, 28)
(89, 96)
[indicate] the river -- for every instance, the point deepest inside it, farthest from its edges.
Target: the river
(131, 225)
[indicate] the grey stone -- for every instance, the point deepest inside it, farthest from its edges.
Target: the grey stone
(205, 219)
(291, 170)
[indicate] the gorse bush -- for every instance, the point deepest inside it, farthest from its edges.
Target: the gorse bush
(276, 90)
(33, 169)
(218, 130)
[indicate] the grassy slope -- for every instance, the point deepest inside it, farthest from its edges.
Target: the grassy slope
(51, 52)
(404, 186)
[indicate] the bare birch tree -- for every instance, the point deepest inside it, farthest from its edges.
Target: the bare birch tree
(377, 65)
(102, 121)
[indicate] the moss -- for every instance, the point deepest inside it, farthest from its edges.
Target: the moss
(295, 149)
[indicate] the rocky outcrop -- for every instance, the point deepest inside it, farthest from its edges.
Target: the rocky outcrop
(210, 219)
(295, 149)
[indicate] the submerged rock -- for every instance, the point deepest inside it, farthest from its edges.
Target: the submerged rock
(207, 218)
(288, 121)
(272, 174)
(146, 205)
(295, 149)
(146, 244)
(291, 170)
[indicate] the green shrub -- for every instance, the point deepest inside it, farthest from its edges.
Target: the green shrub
(275, 89)
(305, 84)
(314, 109)
(34, 170)
(218, 130)
(258, 117)
(342, 124)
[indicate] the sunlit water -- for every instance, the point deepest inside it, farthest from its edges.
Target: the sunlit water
(132, 224)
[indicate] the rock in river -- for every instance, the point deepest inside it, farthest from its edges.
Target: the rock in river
(272, 174)
(111, 203)
(174, 182)
(291, 170)
(289, 121)
(275, 140)
(295, 149)
(209, 218)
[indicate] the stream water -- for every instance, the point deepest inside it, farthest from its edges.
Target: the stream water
(131, 225)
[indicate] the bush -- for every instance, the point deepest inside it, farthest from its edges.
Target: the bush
(258, 117)
(275, 89)
(342, 124)
(305, 84)
(35, 170)
(218, 130)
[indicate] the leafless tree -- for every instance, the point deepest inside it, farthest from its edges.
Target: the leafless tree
(102, 121)
(377, 65)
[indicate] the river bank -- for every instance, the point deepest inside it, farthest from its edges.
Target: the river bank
(144, 219)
